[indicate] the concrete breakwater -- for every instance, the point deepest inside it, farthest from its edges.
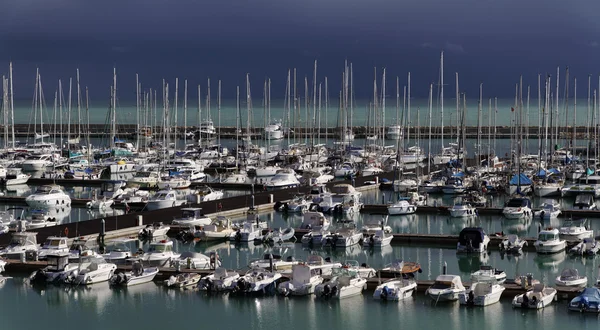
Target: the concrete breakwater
(102, 130)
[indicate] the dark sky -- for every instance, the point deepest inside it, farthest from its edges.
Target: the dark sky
(489, 41)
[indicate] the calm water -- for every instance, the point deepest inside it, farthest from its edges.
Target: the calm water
(154, 307)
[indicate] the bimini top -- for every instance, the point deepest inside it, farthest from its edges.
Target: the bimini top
(473, 234)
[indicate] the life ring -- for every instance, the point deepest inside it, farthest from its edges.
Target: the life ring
(66, 231)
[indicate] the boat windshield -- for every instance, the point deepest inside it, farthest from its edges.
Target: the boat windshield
(52, 243)
(543, 237)
(160, 248)
(441, 285)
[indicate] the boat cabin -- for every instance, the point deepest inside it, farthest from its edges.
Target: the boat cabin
(55, 243)
(57, 262)
(192, 212)
(548, 235)
(161, 246)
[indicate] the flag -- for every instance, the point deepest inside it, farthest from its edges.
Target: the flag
(512, 109)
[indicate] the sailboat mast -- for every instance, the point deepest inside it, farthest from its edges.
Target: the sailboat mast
(185, 98)
(12, 104)
(114, 108)
(442, 96)
(430, 111)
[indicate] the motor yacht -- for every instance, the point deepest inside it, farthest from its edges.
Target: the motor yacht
(256, 281)
(20, 243)
(53, 245)
(159, 253)
(220, 280)
(154, 230)
(401, 207)
(488, 273)
(219, 229)
(48, 196)
(285, 178)
(163, 199)
(549, 241)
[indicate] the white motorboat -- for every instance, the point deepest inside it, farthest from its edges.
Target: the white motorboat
(183, 280)
(549, 241)
(15, 176)
(278, 236)
(45, 218)
(445, 288)
(460, 210)
(100, 204)
(274, 131)
(550, 210)
(575, 230)
(364, 270)
(315, 221)
(401, 207)
(20, 243)
(303, 281)
(570, 277)
(37, 163)
(163, 199)
(405, 185)
(345, 169)
(298, 204)
(153, 230)
(145, 179)
(220, 280)
(285, 178)
(98, 270)
(343, 199)
(137, 275)
(483, 293)
(192, 216)
(82, 247)
(160, 253)
(517, 208)
(486, 273)
(219, 229)
(56, 271)
(248, 232)
(540, 297)
(398, 288)
(53, 245)
(275, 261)
(588, 247)
(378, 239)
(584, 202)
(206, 193)
(370, 226)
(118, 251)
(512, 244)
(195, 260)
(174, 182)
(472, 240)
(48, 196)
(343, 237)
(346, 282)
(453, 186)
(256, 281)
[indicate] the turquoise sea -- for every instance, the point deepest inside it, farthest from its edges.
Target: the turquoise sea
(419, 112)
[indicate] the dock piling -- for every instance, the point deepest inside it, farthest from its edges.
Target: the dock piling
(102, 236)
(140, 220)
(445, 268)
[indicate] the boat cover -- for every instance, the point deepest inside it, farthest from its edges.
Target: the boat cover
(524, 180)
(472, 234)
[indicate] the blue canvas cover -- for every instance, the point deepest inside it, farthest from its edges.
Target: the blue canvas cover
(522, 177)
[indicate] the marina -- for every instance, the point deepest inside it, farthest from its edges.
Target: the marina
(320, 192)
